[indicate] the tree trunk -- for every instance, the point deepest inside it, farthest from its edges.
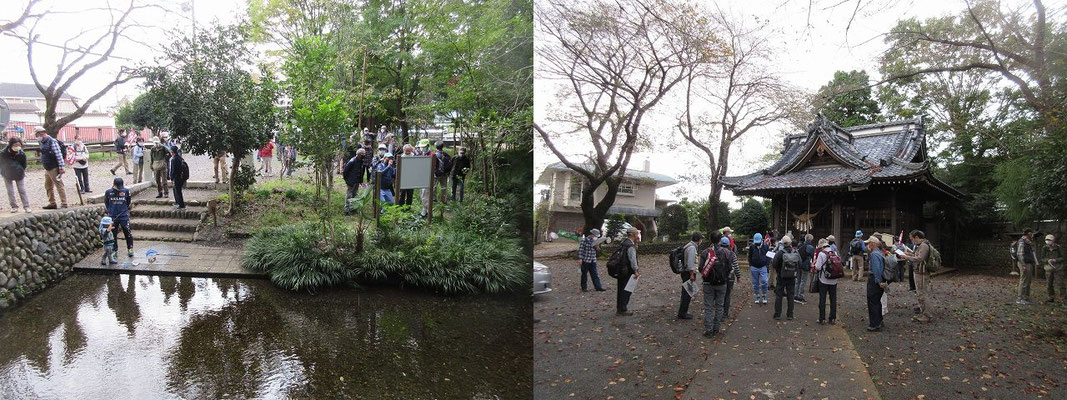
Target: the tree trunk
(594, 214)
(235, 166)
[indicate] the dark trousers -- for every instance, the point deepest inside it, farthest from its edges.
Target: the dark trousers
(683, 306)
(125, 226)
(786, 287)
(457, 187)
(874, 303)
(178, 199)
(622, 299)
(726, 301)
(405, 197)
(911, 277)
(588, 268)
(830, 290)
(82, 176)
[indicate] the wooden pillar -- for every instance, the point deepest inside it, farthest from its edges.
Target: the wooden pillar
(893, 225)
(836, 231)
(776, 201)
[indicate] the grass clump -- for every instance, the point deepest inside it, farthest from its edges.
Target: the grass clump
(299, 257)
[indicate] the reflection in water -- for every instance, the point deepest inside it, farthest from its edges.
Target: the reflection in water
(125, 336)
(167, 337)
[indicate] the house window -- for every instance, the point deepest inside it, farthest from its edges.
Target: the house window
(575, 189)
(627, 189)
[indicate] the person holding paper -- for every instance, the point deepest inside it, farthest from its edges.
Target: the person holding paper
(622, 300)
(690, 274)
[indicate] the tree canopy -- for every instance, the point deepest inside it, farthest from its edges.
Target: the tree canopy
(847, 100)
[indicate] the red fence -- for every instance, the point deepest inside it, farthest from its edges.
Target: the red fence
(88, 134)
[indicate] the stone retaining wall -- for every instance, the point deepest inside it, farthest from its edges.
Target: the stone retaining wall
(37, 250)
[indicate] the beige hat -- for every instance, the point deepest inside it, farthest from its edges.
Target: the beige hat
(727, 229)
(873, 239)
(632, 231)
(787, 240)
(1050, 237)
(823, 243)
(831, 238)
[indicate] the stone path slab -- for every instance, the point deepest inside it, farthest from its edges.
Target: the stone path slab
(175, 259)
(760, 358)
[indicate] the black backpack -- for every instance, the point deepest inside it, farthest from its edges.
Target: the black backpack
(790, 264)
(184, 173)
(444, 164)
(63, 151)
(856, 247)
(619, 263)
(719, 272)
(677, 259)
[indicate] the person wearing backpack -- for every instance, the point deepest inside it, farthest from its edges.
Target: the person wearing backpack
(53, 161)
(459, 173)
(757, 266)
(919, 259)
(120, 151)
(587, 252)
(444, 169)
(689, 261)
(1013, 252)
(786, 263)
(857, 252)
(179, 173)
(719, 268)
(827, 285)
(629, 246)
(875, 285)
(807, 251)
(159, 157)
(1053, 254)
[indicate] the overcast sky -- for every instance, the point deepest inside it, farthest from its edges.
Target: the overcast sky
(83, 20)
(808, 58)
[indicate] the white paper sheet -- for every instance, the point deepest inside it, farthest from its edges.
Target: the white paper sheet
(899, 251)
(770, 254)
(691, 287)
(631, 285)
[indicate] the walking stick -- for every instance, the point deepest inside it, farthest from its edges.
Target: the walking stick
(80, 200)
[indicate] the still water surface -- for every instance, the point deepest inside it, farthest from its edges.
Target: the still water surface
(130, 336)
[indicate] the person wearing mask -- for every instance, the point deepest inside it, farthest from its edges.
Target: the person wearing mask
(158, 158)
(81, 165)
(1052, 253)
(383, 135)
(629, 245)
(120, 151)
(857, 252)
(689, 261)
(423, 149)
(459, 173)
(875, 285)
(388, 172)
(827, 286)
(353, 175)
(807, 251)
(786, 263)
(918, 259)
(290, 160)
(715, 290)
(390, 143)
(117, 200)
(178, 175)
(13, 170)
(757, 266)
(407, 195)
(52, 161)
(138, 160)
(587, 253)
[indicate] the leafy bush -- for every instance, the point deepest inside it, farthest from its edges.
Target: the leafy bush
(674, 222)
(298, 257)
(245, 178)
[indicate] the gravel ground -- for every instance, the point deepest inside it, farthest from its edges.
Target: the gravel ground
(980, 344)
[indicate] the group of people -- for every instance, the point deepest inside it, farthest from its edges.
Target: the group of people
(364, 167)
(793, 267)
(1028, 257)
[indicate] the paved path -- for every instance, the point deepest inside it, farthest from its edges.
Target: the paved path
(554, 249)
(182, 259)
(760, 358)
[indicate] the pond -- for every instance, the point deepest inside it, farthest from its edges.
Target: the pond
(138, 336)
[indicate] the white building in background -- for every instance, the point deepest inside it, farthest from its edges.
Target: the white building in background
(27, 106)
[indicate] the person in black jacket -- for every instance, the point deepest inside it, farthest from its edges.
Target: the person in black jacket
(13, 170)
(53, 163)
(353, 174)
(117, 201)
(120, 150)
(460, 165)
(177, 175)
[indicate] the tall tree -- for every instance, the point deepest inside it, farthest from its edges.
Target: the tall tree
(618, 60)
(847, 100)
(78, 58)
(734, 95)
(145, 111)
(211, 103)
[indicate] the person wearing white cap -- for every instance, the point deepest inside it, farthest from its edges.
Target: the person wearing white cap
(786, 263)
(1054, 269)
(827, 286)
(587, 252)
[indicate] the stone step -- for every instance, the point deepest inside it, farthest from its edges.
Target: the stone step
(165, 211)
(163, 236)
(169, 225)
(169, 201)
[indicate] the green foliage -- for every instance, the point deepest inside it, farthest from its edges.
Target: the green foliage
(145, 111)
(244, 179)
(674, 222)
(614, 225)
(298, 257)
(846, 100)
(751, 219)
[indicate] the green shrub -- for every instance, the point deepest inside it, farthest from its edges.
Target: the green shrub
(299, 257)
(244, 179)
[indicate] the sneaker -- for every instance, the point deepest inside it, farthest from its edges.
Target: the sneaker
(833, 322)
(176, 207)
(874, 328)
(103, 262)
(159, 196)
(624, 313)
(113, 262)
(777, 317)
(28, 210)
(800, 300)
(112, 171)
(14, 210)
(709, 334)
(1022, 302)
(764, 300)
(820, 322)
(789, 317)
(583, 290)
(49, 207)
(130, 253)
(686, 316)
(756, 301)
(600, 289)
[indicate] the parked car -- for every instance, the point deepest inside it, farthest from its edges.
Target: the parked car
(542, 279)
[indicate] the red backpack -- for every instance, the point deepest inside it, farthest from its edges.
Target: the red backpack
(834, 268)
